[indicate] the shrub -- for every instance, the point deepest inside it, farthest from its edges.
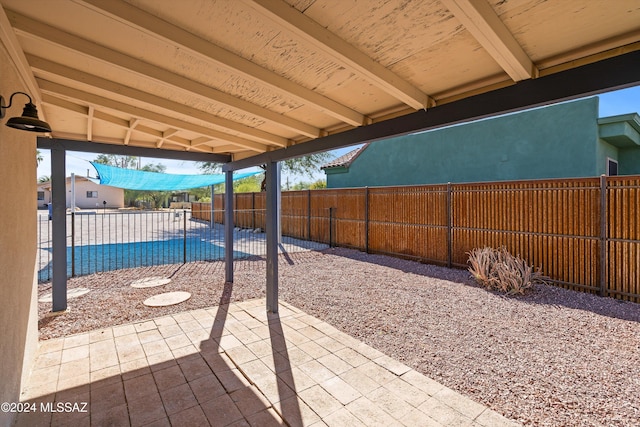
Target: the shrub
(497, 269)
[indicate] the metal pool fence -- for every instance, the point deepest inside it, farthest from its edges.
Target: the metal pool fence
(112, 240)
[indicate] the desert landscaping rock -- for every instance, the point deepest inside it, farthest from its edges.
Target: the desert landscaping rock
(71, 293)
(150, 282)
(553, 357)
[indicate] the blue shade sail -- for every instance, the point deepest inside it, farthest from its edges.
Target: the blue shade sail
(132, 179)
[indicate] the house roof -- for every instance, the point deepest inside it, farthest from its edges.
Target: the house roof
(244, 78)
(47, 185)
(632, 119)
(345, 160)
(622, 131)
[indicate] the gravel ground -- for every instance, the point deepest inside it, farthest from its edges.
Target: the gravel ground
(551, 358)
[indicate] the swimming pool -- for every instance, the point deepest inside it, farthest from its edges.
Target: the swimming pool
(89, 259)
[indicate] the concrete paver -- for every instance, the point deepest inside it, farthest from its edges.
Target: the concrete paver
(236, 365)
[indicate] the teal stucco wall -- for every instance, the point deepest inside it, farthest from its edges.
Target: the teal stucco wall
(622, 134)
(629, 161)
(551, 142)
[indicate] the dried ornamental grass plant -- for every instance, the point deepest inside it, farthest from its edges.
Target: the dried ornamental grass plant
(497, 269)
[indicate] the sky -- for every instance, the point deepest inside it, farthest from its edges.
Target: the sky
(612, 103)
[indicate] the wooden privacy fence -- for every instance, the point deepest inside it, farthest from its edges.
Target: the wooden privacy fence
(583, 233)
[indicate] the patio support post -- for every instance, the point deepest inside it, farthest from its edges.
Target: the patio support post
(228, 226)
(59, 230)
(272, 236)
(279, 200)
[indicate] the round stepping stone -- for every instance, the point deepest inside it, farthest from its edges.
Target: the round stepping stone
(149, 282)
(71, 293)
(168, 298)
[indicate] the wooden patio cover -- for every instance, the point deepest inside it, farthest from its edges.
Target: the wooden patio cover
(247, 82)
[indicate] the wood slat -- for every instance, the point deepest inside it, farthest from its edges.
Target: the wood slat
(553, 224)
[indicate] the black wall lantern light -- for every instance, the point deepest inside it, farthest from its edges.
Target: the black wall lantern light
(29, 120)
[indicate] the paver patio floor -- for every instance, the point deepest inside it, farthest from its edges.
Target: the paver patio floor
(235, 365)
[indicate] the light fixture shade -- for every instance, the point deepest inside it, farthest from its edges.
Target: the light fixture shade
(29, 120)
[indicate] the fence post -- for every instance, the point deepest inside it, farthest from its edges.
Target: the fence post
(184, 236)
(603, 236)
(73, 244)
(224, 207)
(366, 219)
(449, 227)
(213, 208)
(331, 227)
(309, 215)
(253, 211)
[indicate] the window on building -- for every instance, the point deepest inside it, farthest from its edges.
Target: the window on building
(40, 195)
(92, 194)
(612, 167)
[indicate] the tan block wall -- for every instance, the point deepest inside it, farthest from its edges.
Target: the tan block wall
(18, 316)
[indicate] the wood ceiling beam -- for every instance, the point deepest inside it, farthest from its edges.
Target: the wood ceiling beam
(43, 65)
(311, 32)
(134, 143)
(108, 118)
(70, 106)
(194, 143)
(36, 29)
(200, 141)
(65, 91)
(77, 144)
(209, 51)
(9, 40)
(479, 18)
(226, 149)
(609, 74)
(90, 114)
(132, 125)
(165, 135)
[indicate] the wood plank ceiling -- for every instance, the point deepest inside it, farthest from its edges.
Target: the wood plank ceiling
(243, 77)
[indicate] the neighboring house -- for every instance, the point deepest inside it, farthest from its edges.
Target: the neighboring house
(89, 195)
(559, 141)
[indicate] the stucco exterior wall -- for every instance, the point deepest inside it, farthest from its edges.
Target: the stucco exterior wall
(604, 152)
(44, 188)
(112, 195)
(629, 162)
(553, 142)
(18, 317)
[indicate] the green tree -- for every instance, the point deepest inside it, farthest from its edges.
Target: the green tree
(304, 185)
(318, 184)
(44, 178)
(125, 162)
(210, 168)
(305, 165)
(250, 184)
(39, 157)
(201, 193)
(154, 167)
(156, 198)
